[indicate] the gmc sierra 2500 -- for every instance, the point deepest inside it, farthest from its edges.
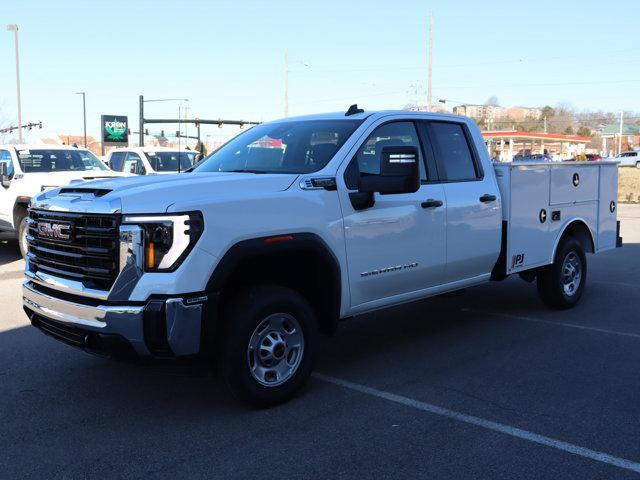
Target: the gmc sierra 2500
(296, 224)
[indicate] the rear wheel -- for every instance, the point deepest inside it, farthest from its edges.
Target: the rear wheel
(561, 284)
(268, 344)
(637, 164)
(22, 236)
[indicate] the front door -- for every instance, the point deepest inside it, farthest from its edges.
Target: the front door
(397, 246)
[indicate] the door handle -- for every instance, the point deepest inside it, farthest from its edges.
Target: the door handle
(431, 203)
(487, 198)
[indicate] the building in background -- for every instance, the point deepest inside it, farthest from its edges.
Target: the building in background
(503, 145)
(494, 113)
(611, 136)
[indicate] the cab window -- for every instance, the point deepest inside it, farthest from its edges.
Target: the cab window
(116, 162)
(5, 157)
(367, 160)
(452, 151)
(133, 164)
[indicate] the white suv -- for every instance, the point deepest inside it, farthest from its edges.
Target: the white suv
(148, 160)
(629, 159)
(28, 170)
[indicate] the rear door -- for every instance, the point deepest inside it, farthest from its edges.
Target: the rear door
(474, 217)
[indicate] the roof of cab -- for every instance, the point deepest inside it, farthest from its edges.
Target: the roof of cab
(367, 114)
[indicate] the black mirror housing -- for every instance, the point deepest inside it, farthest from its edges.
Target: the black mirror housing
(4, 175)
(399, 172)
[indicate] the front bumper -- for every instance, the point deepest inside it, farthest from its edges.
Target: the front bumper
(158, 328)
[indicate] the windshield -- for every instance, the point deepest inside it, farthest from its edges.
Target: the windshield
(57, 160)
(168, 161)
(283, 147)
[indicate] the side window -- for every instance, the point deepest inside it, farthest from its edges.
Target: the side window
(367, 160)
(116, 161)
(134, 159)
(452, 151)
(5, 157)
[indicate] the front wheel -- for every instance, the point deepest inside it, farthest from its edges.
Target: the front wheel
(561, 284)
(638, 165)
(268, 344)
(23, 231)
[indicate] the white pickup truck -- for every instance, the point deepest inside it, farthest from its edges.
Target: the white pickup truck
(27, 170)
(299, 223)
(151, 160)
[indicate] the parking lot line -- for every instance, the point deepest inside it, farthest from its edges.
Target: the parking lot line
(551, 322)
(486, 424)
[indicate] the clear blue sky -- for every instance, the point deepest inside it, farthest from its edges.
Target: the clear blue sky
(227, 56)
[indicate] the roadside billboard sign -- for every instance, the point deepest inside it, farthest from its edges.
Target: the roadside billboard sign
(115, 130)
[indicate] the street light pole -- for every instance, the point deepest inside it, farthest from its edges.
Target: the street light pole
(14, 28)
(84, 116)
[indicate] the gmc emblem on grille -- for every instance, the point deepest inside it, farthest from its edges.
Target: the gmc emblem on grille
(58, 231)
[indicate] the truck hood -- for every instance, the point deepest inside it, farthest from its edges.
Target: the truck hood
(57, 179)
(156, 193)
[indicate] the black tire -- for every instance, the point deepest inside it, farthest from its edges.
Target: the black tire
(243, 316)
(552, 279)
(22, 233)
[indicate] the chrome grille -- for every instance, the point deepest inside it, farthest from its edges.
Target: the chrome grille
(89, 256)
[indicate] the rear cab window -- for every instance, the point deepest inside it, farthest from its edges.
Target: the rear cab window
(454, 154)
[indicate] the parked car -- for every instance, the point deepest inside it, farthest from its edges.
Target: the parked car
(629, 159)
(297, 224)
(149, 160)
(27, 170)
(593, 157)
(537, 157)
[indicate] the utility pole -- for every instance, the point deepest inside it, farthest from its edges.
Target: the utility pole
(430, 60)
(545, 124)
(286, 82)
(84, 116)
(620, 135)
(141, 126)
(14, 28)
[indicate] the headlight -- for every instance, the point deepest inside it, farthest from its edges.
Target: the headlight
(168, 239)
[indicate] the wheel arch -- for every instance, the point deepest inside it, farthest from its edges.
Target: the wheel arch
(20, 206)
(300, 261)
(578, 229)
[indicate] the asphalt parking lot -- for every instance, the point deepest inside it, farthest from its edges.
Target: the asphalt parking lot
(488, 384)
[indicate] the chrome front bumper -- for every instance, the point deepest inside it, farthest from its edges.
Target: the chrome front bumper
(170, 322)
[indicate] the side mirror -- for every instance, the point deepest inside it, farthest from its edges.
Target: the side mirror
(399, 172)
(133, 168)
(4, 175)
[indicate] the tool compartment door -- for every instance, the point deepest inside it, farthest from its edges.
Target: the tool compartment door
(607, 208)
(573, 184)
(529, 241)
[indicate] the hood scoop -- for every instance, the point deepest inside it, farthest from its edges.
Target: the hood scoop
(95, 192)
